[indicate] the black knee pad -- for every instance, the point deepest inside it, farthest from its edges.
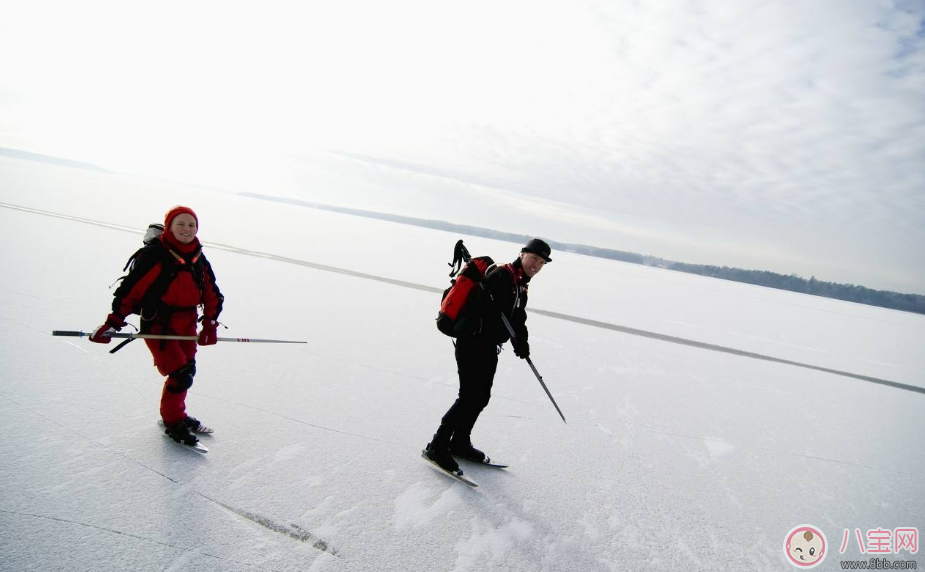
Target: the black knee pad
(183, 378)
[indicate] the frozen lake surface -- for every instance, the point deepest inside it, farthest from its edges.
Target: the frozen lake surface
(674, 456)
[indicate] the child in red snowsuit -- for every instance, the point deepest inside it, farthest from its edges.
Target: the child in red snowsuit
(167, 283)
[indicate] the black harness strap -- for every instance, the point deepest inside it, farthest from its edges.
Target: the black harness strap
(121, 345)
(152, 308)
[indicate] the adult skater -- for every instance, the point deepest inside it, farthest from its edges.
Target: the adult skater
(477, 354)
(169, 279)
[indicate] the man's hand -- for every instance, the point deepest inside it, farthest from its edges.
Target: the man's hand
(522, 349)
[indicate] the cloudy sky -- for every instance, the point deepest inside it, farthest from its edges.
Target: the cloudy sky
(777, 135)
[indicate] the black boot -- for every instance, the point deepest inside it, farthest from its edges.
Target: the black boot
(462, 447)
(180, 433)
(438, 451)
(196, 425)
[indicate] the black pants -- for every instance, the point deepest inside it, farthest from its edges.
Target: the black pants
(477, 361)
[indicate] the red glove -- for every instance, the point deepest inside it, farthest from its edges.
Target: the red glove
(113, 324)
(208, 335)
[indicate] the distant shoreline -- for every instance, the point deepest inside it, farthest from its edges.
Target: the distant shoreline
(914, 303)
(847, 292)
(26, 155)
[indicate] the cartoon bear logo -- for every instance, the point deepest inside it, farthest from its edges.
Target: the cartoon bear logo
(805, 546)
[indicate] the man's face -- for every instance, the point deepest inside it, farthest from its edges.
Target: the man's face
(532, 263)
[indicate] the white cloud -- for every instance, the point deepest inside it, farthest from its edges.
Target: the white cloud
(794, 124)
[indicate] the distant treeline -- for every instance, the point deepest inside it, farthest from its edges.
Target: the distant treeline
(17, 154)
(848, 292)
(461, 229)
(599, 252)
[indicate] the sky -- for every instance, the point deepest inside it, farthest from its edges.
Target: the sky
(775, 135)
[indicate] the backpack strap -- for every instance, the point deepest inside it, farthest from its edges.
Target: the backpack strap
(510, 268)
(138, 265)
(151, 307)
(515, 285)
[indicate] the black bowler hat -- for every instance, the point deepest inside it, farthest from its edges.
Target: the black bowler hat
(539, 248)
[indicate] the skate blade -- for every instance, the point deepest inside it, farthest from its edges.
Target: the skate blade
(460, 478)
(486, 463)
(198, 447)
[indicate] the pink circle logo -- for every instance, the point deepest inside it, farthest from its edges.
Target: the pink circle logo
(805, 546)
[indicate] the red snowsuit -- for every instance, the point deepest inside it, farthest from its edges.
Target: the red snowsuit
(166, 284)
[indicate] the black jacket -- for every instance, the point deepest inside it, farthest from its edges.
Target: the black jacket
(507, 285)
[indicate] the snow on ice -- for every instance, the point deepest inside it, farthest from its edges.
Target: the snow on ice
(675, 457)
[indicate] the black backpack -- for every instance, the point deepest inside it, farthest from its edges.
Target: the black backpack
(145, 258)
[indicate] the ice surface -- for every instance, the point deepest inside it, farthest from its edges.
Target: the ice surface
(674, 457)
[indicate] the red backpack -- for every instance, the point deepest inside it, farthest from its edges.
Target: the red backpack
(461, 308)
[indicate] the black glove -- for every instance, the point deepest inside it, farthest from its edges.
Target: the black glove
(522, 349)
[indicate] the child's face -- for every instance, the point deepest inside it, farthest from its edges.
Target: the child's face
(805, 547)
(184, 228)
